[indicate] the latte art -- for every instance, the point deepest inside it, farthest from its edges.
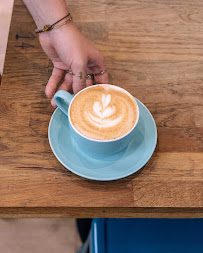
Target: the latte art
(103, 112)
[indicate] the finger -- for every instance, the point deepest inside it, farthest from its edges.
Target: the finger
(79, 82)
(102, 79)
(53, 103)
(89, 82)
(100, 64)
(54, 80)
(66, 85)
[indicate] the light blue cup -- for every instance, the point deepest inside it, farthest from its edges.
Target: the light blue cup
(90, 146)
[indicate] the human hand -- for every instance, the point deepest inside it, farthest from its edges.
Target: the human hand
(69, 49)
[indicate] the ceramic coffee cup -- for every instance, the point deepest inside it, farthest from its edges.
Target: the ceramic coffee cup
(90, 146)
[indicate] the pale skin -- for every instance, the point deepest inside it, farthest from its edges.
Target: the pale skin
(66, 47)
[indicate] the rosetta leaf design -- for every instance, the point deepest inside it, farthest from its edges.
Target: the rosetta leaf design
(108, 112)
(104, 111)
(97, 109)
(106, 99)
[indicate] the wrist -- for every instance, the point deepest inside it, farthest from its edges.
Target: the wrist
(46, 12)
(64, 30)
(57, 36)
(49, 25)
(56, 25)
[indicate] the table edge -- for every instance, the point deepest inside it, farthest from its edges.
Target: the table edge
(94, 212)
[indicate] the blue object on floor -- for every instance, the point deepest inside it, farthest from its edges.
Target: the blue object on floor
(146, 236)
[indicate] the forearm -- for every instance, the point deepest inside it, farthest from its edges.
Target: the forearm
(46, 11)
(67, 48)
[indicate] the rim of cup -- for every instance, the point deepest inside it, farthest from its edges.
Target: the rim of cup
(95, 140)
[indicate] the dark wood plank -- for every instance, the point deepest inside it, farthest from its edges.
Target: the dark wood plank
(102, 212)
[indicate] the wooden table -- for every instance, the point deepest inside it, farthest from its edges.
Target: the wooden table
(154, 49)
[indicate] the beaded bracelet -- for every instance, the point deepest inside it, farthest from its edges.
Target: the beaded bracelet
(55, 25)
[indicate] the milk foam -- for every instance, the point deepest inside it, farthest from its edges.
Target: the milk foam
(103, 112)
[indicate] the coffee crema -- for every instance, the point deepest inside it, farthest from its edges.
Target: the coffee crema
(103, 112)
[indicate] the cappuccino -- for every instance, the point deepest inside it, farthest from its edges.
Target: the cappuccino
(103, 112)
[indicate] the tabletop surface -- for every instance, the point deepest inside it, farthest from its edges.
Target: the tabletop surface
(154, 49)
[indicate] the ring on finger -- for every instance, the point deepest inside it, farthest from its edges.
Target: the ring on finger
(100, 73)
(91, 76)
(88, 76)
(71, 72)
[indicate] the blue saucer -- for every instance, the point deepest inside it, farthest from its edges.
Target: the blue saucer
(108, 167)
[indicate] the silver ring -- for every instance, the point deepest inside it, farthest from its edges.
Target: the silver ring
(71, 72)
(100, 73)
(88, 76)
(91, 76)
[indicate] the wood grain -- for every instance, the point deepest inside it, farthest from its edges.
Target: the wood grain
(92, 212)
(154, 50)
